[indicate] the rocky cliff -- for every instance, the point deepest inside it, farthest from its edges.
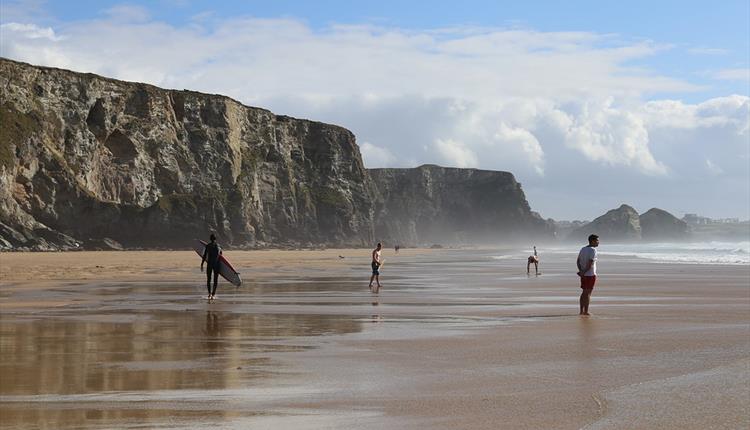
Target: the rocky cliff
(86, 160)
(621, 225)
(660, 225)
(432, 204)
(96, 163)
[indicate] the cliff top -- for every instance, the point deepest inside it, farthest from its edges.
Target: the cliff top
(74, 74)
(437, 167)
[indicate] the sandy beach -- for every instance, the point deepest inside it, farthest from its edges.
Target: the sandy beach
(455, 339)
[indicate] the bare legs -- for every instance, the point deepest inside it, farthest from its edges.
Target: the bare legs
(536, 267)
(377, 279)
(584, 302)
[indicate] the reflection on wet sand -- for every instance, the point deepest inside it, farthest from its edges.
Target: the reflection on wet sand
(376, 316)
(169, 352)
(132, 353)
(55, 369)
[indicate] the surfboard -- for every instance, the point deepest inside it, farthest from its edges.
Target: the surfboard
(225, 267)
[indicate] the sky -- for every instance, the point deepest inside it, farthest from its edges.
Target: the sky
(590, 104)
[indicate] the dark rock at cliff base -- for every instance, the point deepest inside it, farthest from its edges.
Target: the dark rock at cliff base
(431, 204)
(37, 238)
(617, 225)
(660, 225)
(103, 244)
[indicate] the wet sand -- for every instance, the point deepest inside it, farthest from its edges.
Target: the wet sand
(456, 339)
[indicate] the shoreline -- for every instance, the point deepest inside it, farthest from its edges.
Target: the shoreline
(118, 264)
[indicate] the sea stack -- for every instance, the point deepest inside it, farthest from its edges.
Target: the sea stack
(660, 225)
(620, 225)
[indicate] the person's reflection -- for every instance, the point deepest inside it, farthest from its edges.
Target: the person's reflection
(376, 318)
(588, 334)
(587, 369)
(216, 376)
(213, 332)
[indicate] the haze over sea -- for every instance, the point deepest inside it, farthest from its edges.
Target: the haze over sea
(715, 252)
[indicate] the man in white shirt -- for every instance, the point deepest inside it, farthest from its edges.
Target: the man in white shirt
(587, 271)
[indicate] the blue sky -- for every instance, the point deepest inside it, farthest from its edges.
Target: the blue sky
(649, 98)
(676, 20)
(718, 29)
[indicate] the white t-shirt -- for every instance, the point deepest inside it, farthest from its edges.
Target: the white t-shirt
(587, 253)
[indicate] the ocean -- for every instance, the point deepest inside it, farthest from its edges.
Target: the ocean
(735, 253)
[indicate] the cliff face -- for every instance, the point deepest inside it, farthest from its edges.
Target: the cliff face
(96, 163)
(432, 204)
(621, 224)
(658, 224)
(85, 158)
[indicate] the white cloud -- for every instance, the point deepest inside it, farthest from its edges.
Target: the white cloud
(41, 44)
(731, 111)
(283, 56)
(733, 75)
(455, 153)
(30, 31)
(526, 141)
(613, 136)
(376, 156)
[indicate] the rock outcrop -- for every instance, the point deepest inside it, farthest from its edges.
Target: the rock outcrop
(618, 225)
(96, 163)
(625, 225)
(433, 204)
(660, 225)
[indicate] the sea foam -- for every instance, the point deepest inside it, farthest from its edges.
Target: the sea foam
(735, 253)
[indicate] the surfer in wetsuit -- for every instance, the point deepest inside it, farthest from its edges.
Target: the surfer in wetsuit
(211, 256)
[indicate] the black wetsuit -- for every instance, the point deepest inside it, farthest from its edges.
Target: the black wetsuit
(211, 256)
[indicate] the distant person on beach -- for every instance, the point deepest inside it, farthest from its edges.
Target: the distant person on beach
(396, 248)
(376, 262)
(211, 255)
(587, 271)
(533, 259)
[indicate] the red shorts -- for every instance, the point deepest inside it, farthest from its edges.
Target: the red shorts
(587, 282)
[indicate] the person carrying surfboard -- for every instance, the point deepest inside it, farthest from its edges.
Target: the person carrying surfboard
(376, 262)
(211, 256)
